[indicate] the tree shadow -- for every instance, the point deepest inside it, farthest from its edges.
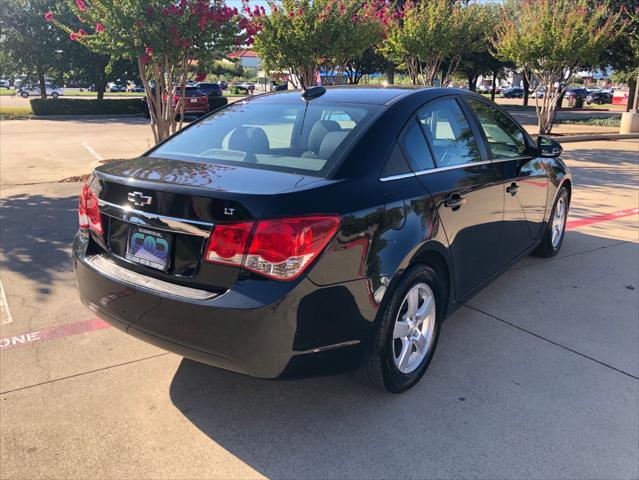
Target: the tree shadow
(37, 233)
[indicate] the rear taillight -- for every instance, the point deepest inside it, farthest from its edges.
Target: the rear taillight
(88, 211)
(279, 249)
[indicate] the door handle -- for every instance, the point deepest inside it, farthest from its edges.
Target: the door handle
(513, 189)
(454, 201)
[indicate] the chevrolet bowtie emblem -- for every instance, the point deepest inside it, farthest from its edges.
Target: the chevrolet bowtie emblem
(139, 199)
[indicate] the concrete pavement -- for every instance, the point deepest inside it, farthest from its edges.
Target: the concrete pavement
(537, 377)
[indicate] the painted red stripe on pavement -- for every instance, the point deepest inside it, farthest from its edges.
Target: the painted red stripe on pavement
(581, 222)
(52, 333)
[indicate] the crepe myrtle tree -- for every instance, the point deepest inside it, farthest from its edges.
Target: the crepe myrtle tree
(305, 36)
(166, 38)
(426, 35)
(552, 40)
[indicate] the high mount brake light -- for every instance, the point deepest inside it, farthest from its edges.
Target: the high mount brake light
(281, 249)
(88, 211)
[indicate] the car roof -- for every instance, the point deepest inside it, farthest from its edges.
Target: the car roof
(371, 95)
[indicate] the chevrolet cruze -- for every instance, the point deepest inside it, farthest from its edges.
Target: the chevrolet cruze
(318, 231)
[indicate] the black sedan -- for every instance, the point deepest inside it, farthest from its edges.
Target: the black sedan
(336, 229)
(599, 98)
(512, 92)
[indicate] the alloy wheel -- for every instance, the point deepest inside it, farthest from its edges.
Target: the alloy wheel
(414, 328)
(558, 222)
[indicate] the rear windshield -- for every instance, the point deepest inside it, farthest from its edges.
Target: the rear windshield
(304, 138)
(190, 91)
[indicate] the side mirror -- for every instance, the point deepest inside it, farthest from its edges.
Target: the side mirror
(547, 147)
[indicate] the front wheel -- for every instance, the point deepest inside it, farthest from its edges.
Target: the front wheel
(407, 332)
(24, 95)
(55, 94)
(556, 228)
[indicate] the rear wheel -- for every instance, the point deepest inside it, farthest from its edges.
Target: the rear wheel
(556, 228)
(55, 94)
(407, 332)
(24, 94)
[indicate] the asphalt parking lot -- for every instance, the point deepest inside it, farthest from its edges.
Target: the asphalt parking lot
(537, 377)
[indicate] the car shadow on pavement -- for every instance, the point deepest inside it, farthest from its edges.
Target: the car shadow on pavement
(488, 402)
(37, 232)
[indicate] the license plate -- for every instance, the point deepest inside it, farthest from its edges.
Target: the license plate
(194, 100)
(150, 248)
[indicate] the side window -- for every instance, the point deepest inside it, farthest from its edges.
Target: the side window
(415, 147)
(505, 138)
(449, 132)
(395, 164)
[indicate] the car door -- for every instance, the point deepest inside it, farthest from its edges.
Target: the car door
(466, 189)
(525, 179)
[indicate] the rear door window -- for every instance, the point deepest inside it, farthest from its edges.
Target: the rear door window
(449, 133)
(415, 147)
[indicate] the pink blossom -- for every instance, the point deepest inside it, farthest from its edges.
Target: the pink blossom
(73, 36)
(82, 32)
(148, 50)
(145, 59)
(49, 16)
(201, 76)
(81, 4)
(99, 27)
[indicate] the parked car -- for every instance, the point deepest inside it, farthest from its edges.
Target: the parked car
(117, 87)
(135, 88)
(238, 242)
(599, 98)
(244, 87)
(32, 89)
(278, 87)
(573, 92)
(4, 83)
(539, 93)
(209, 89)
(223, 85)
(196, 102)
(513, 92)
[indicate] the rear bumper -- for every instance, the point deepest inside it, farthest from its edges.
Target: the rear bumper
(258, 327)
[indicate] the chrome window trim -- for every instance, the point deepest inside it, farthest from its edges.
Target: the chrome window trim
(397, 177)
(112, 270)
(162, 222)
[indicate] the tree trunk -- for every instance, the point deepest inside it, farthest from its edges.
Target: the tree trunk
(390, 74)
(494, 87)
(41, 81)
(526, 89)
(472, 82)
(633, 95)
(100, 88)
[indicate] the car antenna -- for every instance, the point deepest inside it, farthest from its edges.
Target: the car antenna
(312, 92)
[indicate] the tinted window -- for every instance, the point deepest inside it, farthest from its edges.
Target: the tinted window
(448, 131)
(291, 137)
(395, 164)
(415, 146)
(505, 138)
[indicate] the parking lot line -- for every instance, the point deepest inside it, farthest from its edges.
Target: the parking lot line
(93, 153)
(4, 306)
(52, 333)
(582, 222)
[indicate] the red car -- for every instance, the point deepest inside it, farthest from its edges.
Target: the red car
(195, 103)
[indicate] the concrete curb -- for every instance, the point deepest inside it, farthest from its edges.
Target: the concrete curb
(86, 117)
(597, 137)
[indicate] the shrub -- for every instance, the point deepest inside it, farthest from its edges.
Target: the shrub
(80, 106)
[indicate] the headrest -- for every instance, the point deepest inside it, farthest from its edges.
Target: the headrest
(330, 143)
(319, 131)
(249, 139)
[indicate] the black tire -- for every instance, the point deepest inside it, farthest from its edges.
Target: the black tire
(55, 95)
(379, 369)
(24, 94)
(546, 247)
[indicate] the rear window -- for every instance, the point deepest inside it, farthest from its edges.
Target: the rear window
(190, 91)
(304, 138)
